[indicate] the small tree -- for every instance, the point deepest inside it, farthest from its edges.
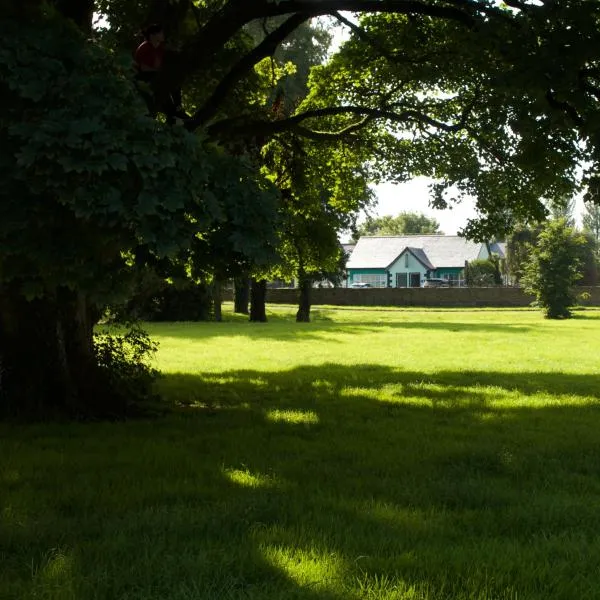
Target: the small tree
(554, 266)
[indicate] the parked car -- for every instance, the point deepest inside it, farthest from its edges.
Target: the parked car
(436, 282)
(360, 284)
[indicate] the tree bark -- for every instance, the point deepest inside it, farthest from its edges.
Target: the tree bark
(303, 314)
(47, 362)
(79, 11)
(217, 300)
(241, 295)
(258, 300)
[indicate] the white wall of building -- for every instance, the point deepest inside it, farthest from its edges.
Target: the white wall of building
(483, 253)
(407, 265)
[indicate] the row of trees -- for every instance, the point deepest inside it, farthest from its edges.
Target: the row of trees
(497, 101)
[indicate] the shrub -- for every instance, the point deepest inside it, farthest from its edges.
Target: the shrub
(483, 272)
(124, 365)
(554, 267)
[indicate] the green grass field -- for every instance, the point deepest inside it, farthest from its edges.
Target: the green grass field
(374, 453)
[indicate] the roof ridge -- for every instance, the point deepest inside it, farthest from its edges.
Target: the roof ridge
(411, 235)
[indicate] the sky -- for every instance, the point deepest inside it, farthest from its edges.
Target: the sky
(413, 196)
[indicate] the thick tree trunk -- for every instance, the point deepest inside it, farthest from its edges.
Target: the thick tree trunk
(303, 314)
(47, 363)
(258, 301)
(80, 11)
(241, 295)
(217, 300)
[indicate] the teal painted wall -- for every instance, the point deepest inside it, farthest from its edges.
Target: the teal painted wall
(447, 271)
(353, 272)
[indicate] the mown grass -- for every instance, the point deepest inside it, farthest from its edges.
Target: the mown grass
(377, 454)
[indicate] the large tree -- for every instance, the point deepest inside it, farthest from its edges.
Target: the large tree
(499, 101)
(406, 223)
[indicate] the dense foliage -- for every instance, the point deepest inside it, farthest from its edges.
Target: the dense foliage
(483, 272)
(554, 267)
(92, 191)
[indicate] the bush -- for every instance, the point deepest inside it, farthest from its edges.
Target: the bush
(123, 361)
(554, 267)
(483, 272)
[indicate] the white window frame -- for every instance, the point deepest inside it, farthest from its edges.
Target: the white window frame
(376, 280)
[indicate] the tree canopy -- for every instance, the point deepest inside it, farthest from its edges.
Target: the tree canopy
(406, 223)
(495, 100)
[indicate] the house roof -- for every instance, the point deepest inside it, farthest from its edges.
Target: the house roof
(348, 248)
(498, 248)
(379, 252)
(420, 255)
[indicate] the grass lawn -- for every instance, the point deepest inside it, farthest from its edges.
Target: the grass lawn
(374, 453)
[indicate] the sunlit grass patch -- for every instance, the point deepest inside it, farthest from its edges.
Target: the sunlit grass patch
(246, 478)
(294, 417)
(307, 568)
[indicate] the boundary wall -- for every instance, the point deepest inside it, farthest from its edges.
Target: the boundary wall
(501, 297)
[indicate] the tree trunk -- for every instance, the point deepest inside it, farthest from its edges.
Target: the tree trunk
(47, 362)
(80, 11)
(258, 299)
(217, 300)
(241, 295)
(303, 314)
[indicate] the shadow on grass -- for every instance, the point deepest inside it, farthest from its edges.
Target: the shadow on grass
(324, 383)
(320, 482)
(318, 328)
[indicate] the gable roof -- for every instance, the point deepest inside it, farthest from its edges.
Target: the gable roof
(419, 254)
(498, 248)
(348, 248)
(379, 252)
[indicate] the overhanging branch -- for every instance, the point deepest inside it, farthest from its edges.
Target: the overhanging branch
(226, 22)
(239, 127)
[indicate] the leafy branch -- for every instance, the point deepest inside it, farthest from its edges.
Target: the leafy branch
(240, 127)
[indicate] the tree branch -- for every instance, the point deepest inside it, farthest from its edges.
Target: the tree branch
(364, 36)
(565, 107)
(239, 127)
(266, 48)
(226, 22)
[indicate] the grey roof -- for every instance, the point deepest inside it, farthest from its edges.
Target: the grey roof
(498, 248)
(348, 248)
(420, 255)
(379, 252)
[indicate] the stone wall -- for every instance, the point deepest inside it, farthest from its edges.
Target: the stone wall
(434, 297)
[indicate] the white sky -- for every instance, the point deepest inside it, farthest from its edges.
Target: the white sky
(413, 196)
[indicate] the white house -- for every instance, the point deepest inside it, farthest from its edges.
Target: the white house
(406, 261)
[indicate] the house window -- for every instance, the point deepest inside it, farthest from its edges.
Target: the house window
(374, 280)
(401, 280)
(406, 260)
(415, 280)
